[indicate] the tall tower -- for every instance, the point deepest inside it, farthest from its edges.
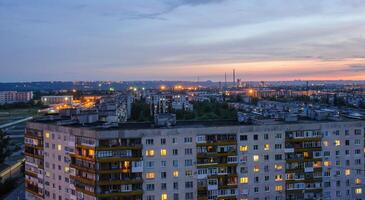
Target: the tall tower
(234, 77)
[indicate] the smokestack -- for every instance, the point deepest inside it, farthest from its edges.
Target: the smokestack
(234, 76)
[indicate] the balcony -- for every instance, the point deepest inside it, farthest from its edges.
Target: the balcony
(124, 181)
(111, 194)
(83, 180)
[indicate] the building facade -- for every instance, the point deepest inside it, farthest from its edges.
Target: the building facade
(311, 160)
(8, 97)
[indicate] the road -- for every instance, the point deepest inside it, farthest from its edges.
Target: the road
(15, 122)
(17, 194)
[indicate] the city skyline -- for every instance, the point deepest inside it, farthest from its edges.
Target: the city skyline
(181, 40)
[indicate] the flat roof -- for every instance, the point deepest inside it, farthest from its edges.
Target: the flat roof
(99, 126)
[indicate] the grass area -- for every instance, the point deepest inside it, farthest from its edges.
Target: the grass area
(8, 115)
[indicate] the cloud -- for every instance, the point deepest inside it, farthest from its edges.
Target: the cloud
(357, 68)
(88, 36)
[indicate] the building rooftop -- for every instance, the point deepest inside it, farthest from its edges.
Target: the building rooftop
(55, 120)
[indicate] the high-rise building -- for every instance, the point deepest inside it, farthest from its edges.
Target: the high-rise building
(303, 160)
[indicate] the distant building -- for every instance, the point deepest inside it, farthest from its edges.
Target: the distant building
(49, 100)
(7, 97)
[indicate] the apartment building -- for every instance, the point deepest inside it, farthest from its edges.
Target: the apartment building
(50, 100)
(200, 160)
(8, 97)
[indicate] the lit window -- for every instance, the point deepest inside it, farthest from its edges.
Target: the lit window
(164, 196)
(327, 163)
(256, 157)
(347, 172)
(150, 152)
(150, 175)
(59, 147)
(278, 167)
(278, 188)
(337, 142)
(305, 154)
(256, 169)
(358, 190)
(163, 152)
(175, 173)
(91, 152)
(267, 147)
(47, 135)
(244, 180)
(244, 148)
(358, 181)
(278, 177)
(325, 143)
(67, 169)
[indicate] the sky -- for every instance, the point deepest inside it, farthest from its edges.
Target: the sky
(125, 40)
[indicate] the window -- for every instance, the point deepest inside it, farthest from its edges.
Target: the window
(150, 175)
(243, 137)
(337, 142)
(189, 196)
(278, 167)
(149, 141)
(174, 152)
(358, 181)
(188, 151)
(163, 152)
(266, 136)
(188, 173)
(47, 134)
(163, 174)
(163, 186)
(188, 163)
(175, 163)
(163, 163)
(244, 148)
(59, 147)
(266, 147)
(150, 152)
(278, 157)
(256, 169)
(325, 143)
(278, 177)
(175, 173)
(176, 185)
(255, 137)
(163, 196)
(347, 172)
(358, 190)
(188, 140)
(91, 152)
(174, 141)
(278, 188)
(150, 164)
(163, 141)
(327, 163)
(189, 184)
(244, 180)
(150, 187)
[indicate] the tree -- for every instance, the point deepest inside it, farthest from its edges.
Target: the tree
(4, 141)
